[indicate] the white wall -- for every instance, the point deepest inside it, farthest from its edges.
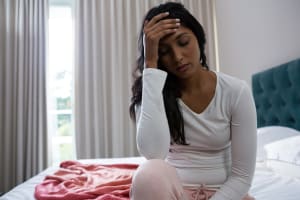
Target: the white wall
(254, 35)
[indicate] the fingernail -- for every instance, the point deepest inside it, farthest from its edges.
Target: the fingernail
(177, 20)
(166, 13)
(177, 24)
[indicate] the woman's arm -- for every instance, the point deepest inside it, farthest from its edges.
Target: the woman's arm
(153, 135)
(243, 147)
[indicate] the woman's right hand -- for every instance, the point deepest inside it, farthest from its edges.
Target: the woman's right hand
(154, 30)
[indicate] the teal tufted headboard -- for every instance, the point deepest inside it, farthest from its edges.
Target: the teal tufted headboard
(276, 93)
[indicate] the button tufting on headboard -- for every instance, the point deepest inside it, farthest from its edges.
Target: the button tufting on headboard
(276, 93)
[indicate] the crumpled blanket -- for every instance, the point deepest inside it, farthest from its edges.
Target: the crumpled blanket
(77, 181)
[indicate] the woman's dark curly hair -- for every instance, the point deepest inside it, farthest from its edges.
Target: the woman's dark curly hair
(171, 89)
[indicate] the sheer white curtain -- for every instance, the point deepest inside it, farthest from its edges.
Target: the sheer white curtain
(23, 132)
(106, 45)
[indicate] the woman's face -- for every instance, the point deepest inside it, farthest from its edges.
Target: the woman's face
(179, 53)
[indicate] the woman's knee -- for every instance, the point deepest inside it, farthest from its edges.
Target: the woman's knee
(155, 177)
(153, 170)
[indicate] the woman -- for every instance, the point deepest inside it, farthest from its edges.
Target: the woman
(196, 127)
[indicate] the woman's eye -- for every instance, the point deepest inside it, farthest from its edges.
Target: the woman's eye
(183, 42)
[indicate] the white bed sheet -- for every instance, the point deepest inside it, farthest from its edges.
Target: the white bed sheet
(267, 185)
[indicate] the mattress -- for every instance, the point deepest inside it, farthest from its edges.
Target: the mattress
(267, 184)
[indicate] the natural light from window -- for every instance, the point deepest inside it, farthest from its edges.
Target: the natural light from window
(60, 84)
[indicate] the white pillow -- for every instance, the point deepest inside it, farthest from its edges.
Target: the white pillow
(269, 134)
(283, 156)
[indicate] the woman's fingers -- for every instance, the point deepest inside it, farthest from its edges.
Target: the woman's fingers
(167, 23)
(158, 17)
(160, 29)
(164, 28)
(163, 33)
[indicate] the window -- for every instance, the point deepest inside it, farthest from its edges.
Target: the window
(60, 83)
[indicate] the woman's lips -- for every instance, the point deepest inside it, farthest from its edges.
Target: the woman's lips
(182, 68)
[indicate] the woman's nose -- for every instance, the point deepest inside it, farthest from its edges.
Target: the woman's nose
(177, 54)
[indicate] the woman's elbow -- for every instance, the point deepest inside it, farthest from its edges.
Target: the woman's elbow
(152, 149)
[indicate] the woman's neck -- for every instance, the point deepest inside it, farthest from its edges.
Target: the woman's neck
(197, 82)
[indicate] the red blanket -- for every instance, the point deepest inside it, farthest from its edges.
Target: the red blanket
(77, 181)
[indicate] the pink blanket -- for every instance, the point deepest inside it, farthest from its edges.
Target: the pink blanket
(76, 181)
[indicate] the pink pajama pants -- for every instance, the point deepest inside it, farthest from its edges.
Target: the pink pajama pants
(155, 179)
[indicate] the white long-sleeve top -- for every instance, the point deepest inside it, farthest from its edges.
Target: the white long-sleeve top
(222, 139)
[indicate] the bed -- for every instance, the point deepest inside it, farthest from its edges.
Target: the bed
(276, 93)
(277, 176)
